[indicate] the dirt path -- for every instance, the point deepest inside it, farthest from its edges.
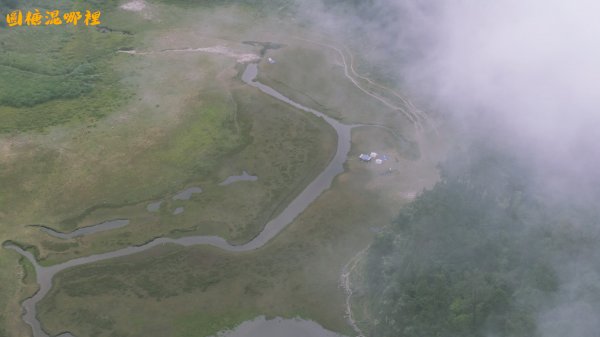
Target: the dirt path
(415, 111)
(346, 284)
(349, 72)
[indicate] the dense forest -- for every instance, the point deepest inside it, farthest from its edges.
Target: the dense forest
(485, 253)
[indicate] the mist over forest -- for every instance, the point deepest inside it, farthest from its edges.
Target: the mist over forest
(507, 243)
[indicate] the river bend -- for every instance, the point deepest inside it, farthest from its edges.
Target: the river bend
(321, 183)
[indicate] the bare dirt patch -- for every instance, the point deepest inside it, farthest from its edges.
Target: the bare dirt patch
(134, 6)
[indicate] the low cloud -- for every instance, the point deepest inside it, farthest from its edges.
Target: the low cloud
(528, 74)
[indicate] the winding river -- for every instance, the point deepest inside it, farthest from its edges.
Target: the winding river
(105, 226)
(272, 228)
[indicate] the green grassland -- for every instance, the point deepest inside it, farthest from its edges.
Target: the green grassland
(198, 291)
(285, 149)
(169, 121)
(88, 134)
(323, 86)
(50, 75)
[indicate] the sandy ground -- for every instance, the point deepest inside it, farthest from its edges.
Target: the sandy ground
(141, 7)
(222, 50)
(134, 6)
(5, 151)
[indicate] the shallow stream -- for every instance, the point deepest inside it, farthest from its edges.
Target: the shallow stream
(321, 183)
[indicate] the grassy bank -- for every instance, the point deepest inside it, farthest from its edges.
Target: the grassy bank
(176, 120)
(163, 123)
(285, 149)
(200, 290)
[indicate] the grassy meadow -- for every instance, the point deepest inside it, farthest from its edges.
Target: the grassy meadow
(198, 291)
(323, 85)
(88, 134)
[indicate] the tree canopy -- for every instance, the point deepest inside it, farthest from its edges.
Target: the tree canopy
(476, 255)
